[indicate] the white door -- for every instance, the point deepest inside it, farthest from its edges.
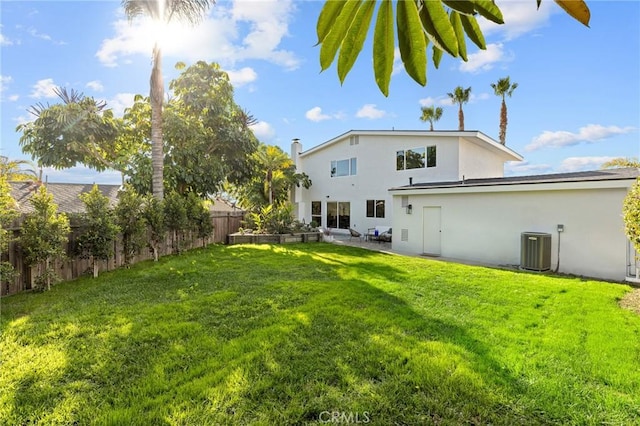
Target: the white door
(431, 230)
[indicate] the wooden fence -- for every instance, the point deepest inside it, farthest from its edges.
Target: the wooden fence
(224, 223)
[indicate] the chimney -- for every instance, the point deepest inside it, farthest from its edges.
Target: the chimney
(410, 181)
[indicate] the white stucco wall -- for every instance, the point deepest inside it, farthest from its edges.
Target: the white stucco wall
(376, 170)
(484, 224)
(477, 161)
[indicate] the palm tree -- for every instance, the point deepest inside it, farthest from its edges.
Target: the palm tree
(13, 170)
(501, 88)
(273, 162)
(460, 96)
(163, 11)
(431, 114)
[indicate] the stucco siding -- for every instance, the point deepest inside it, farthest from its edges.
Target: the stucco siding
(486, 227)
(478, 162)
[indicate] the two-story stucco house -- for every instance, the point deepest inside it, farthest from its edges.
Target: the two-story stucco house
(444, 194)
(353, 172)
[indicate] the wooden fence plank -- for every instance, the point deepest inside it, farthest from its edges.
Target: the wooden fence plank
(224, 223)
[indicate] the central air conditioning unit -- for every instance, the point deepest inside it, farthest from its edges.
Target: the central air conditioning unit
(535, 251)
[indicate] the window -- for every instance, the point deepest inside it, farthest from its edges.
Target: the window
(316, 212)
(346, 167)
(338, 215)
(375, 208)
(416, 158)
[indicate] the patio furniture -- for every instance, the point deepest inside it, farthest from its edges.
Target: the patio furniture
(373, 234)
(354, 234)
(385, 237)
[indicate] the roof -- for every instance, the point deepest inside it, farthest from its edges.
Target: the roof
(586, 176)
(65, 195)
(469, 135)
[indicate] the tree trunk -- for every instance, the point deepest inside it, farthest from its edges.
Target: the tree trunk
(156, 97)
(46, 267)
(503, 123)
(431, 125)
(460, 119)
(95, 267)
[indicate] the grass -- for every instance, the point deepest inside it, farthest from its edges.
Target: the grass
(306, 334)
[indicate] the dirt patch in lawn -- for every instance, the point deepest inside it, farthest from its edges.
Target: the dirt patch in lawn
(631, 301)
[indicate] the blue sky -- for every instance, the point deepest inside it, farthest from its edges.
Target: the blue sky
(577, 104)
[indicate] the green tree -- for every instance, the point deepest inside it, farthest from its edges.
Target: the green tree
(631, 215)
(460, 96)
(342, 28)
(431, 114)
(8, 213)
(207, 135)
(273, 178)
(621, 163)
(14, 170)
(44, 232)
(176, 219)
(130, 219)
(199, 217)
(99, 228)
(80, 130)
(501, 88)
(163, 11)
(154, 215)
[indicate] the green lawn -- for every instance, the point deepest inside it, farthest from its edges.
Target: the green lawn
(303, 334)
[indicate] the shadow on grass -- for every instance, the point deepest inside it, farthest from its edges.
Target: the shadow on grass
(260, 334)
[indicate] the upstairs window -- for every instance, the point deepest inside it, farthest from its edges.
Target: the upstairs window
(346, 167)
(416, 158)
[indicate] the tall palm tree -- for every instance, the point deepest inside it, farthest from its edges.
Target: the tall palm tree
(163, 11)
(460, 96)
(501, 88)
(13, 170)
(431, 114)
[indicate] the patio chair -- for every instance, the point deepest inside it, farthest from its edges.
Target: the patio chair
(353, 233)
(385, 237)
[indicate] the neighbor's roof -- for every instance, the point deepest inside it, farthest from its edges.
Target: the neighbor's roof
(471, 135)
(65, 195)
(587, 176)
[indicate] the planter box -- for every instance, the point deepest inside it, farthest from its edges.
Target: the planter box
(307, 237)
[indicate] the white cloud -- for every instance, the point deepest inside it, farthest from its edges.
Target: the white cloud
(484, 60)
(4, 81)
(371, 112)
(242, 76)
(590, 133)
(119, 102)
(315, 114)
(13, 98)
(23, 119)
(46, 37)
(525, 168)
(520, 17)
(398, 66)
(95, 85)
(440, 100)
(263, 130)
(44, 89)
(5, 41)
(577, 164)
(218, 38)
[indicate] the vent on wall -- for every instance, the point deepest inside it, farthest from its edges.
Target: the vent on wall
(535, 251)
(404, 235)
(354, 140)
